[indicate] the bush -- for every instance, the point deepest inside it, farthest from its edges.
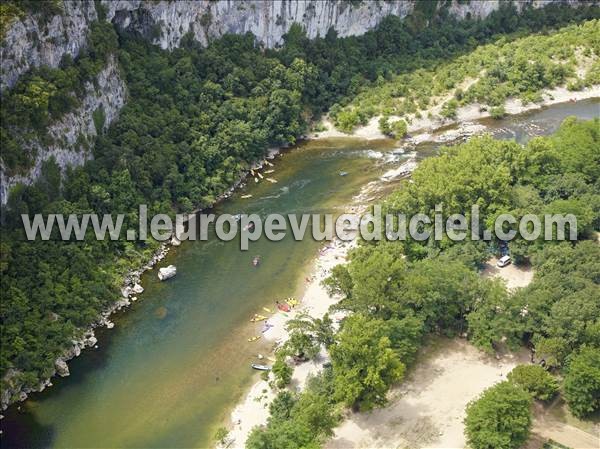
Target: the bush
(497, 112)
(499, 419)
(384, 125)
(535, 380)
(399, 129)
(282, 372)
(582, 382)
(449, 109)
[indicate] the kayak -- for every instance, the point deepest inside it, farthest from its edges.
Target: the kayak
(257, 317)
(293, 302)
(261, 367)
(246, 196)
(283, 307)
(266, 309)
(272, 181)
(256, 337)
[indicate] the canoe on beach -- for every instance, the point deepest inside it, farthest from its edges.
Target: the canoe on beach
(261, 367)
(283, 307)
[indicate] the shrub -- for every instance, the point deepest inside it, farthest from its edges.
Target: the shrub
(497, 112)
(535, 380)
(499, 419)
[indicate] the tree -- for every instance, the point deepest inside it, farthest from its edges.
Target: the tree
(320, 329)
(364, 363)
(282, 372)
(499, 419)
(302, 345)
(535, 380)
(582, 382)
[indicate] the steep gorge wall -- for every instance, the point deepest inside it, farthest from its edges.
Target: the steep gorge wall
(73, 135)
(33, 41)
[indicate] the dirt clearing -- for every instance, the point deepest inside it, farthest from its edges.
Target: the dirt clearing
(427, 410)
(514, 276)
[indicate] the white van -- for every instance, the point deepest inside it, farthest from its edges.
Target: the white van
(503, 261)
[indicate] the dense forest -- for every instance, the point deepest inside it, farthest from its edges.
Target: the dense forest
(398, 293)
(196, 118)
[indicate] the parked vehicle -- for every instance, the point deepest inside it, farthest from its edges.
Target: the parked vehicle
(503, 261)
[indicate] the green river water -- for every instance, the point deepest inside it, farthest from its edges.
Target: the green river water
(177, 361)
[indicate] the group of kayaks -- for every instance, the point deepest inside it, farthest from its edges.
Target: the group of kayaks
(258, 176)
(283, 306)
(287, 305)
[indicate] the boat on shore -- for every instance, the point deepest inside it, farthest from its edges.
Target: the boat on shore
(259, 367)
(283, 306)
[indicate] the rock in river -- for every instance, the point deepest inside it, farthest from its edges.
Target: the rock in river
(167, 272)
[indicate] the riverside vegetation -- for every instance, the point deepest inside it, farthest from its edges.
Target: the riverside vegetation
(488, 76)
(398, 293)
(196, 118)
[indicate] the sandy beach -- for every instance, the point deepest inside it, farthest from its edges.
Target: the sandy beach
(253, 410)
(467, 113)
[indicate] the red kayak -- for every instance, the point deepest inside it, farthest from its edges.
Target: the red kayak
(283, 307)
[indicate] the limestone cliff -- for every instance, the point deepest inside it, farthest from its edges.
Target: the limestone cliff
(35, 40)
(73, 135)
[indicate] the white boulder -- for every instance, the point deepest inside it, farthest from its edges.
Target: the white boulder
(167, 272)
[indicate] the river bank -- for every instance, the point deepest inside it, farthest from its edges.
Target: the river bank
(130, 290)
(253, 411)
(176, 364)
(431, 121)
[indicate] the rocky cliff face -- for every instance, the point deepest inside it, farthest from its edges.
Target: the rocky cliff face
(74, 133)
(34, 41)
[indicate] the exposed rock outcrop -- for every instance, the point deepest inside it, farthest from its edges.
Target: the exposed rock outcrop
(73, 135)
(167, 272)
(34, 41)
(62, 368)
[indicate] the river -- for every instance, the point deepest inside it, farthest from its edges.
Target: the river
(177, 361)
